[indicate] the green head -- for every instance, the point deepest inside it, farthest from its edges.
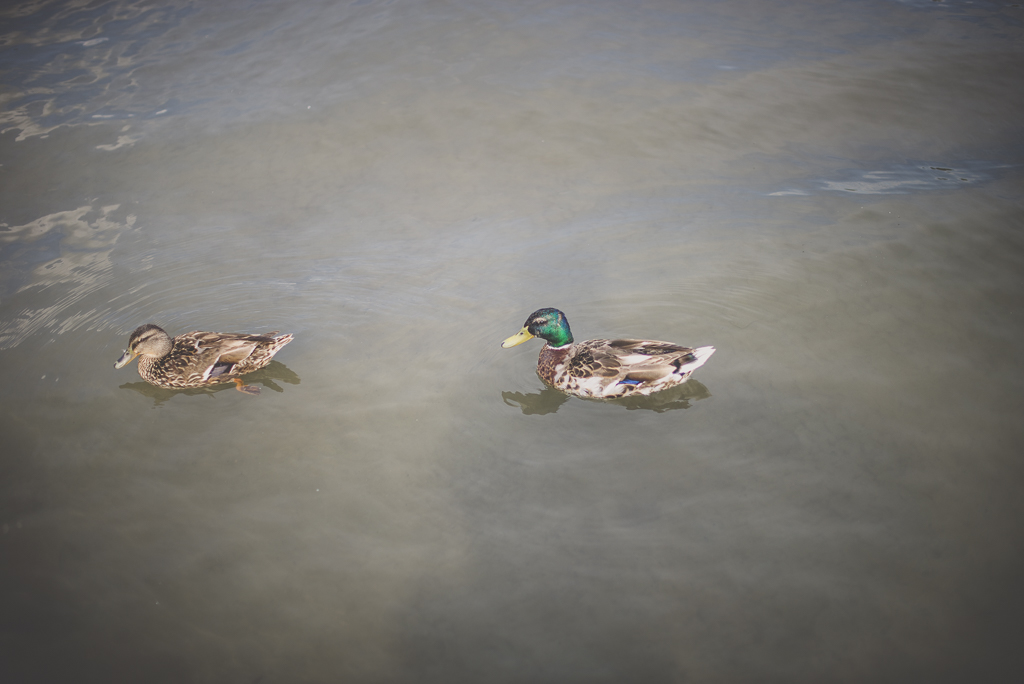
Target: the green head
(548, 324)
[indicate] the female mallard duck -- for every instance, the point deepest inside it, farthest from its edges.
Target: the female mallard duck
(198, 359)
(605, 368)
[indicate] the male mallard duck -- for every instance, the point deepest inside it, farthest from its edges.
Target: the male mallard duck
(605, 368)
(198, 359)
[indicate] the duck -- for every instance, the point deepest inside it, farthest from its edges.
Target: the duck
(605, 369)
(199, 359)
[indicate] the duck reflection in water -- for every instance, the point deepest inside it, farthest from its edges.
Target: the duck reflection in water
(268, 377)
(549, 400)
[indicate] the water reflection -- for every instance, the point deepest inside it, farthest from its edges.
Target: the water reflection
(265, 376)
(902, 179)
(52, 265)
(536, 403)
(549, 400)
(62, 74)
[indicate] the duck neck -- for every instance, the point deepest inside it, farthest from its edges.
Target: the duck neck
(558, 337)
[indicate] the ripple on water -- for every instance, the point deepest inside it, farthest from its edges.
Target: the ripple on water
(64, 72)
(54, 265)
(903, 179)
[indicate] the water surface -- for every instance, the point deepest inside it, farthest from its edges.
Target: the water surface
(829, 193)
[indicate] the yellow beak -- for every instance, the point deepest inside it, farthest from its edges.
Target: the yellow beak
(125, 359)
(520, 337)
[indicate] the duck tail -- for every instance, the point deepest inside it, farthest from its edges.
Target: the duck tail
(698, 357)
(280, 342)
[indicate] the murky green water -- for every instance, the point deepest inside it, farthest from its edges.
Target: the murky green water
(829, 193)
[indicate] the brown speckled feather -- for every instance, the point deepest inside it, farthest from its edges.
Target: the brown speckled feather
(616, 368)
(198, 358)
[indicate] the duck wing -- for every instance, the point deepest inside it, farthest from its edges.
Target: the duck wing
(633, 360)
(220, 353)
